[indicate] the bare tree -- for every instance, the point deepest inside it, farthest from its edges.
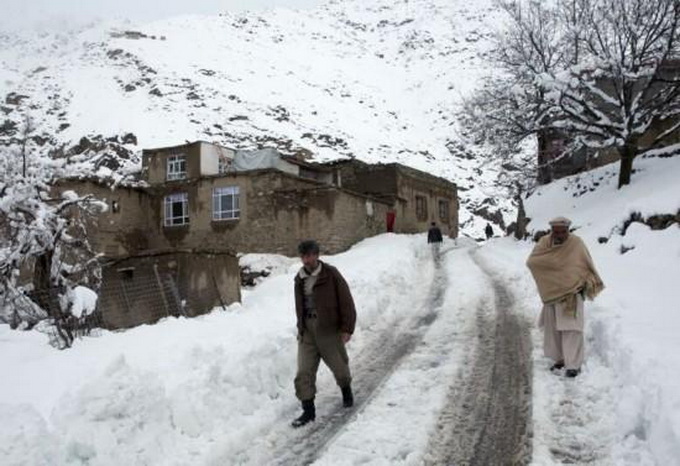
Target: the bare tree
(605, 72)
(25, 133)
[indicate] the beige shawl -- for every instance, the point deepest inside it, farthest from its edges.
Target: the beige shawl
(562, 270)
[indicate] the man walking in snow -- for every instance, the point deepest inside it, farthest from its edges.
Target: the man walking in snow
(434, 239)
(488, 230)
(564, 274)
(325, 320)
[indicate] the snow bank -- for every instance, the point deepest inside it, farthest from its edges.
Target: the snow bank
(625, 407)
(186, 391)
(595, 205)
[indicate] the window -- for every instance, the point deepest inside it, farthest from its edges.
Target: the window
(444, 210)
(176, 209)
(226, 203)
(127, 273)
(421, 208)
(177, 167)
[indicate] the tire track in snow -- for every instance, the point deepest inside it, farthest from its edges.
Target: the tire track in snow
(372, 368)
(578, 428)
(487, 419)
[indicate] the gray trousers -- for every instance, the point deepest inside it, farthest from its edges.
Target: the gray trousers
(312, 348)
(435, 247)
(563, 334)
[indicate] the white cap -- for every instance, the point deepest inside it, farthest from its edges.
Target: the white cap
(560, 222)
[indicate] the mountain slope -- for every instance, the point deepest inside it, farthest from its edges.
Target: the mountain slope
(376, 80)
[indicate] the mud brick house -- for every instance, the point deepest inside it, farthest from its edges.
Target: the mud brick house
(416, 198)
(553, 164)
(205, 195)
(142, 282)
(170, 244)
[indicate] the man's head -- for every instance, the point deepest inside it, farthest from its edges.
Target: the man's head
(309, 254)
(434, 224)
(559, 227)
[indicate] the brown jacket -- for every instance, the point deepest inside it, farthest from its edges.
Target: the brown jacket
(332, 299)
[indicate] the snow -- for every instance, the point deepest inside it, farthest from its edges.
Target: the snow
(414, 395)
(385, 78)
(187, 390)
(625, 407)
(84, 301)
(217, 389)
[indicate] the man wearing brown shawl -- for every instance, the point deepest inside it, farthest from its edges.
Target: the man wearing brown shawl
(564, 274)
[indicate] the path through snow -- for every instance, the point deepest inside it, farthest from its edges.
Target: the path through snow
(459, 370)
(487, 417)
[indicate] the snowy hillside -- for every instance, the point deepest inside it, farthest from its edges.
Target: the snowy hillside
(378, 80)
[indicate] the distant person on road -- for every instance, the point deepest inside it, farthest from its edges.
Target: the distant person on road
(488, 230)
(434, 239)
(325, 320)
(564, 274)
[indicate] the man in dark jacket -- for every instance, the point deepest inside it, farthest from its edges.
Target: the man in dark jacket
(488, 230)
(325, 320)
(434, 239)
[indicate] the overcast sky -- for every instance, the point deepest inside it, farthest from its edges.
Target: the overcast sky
(25, 13)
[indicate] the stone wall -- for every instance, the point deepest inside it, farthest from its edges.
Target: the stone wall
(141, 290)
(154, 162)
(276, 211)
(411, 184)
(399, 185)
(126, 227)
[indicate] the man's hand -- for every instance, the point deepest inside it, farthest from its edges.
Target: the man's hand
(345, 337)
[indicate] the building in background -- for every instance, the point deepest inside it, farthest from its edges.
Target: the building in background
(416, 198)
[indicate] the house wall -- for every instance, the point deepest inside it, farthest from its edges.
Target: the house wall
(288, 167)
(155, 165)
(550, 148)
(141, 290)
(210, 155)
(399, 185)
(334, 217)
(276, 212)
(375, 180)
(410, 184)
(126, 227)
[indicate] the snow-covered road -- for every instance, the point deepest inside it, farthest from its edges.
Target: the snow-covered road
(487, 417)
(450, 384)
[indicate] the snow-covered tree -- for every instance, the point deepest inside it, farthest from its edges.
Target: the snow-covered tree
(42, 235)
(604, 72)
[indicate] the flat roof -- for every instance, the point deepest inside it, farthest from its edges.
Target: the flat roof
(158, 149)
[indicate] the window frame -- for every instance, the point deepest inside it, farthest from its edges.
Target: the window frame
(421, 208)
(444, 214)
(168, 202)
(219, 211)
(176, 167)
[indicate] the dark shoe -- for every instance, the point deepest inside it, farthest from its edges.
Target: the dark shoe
(557, 366)
(347, 397)
(571, 373)
(308, 414)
